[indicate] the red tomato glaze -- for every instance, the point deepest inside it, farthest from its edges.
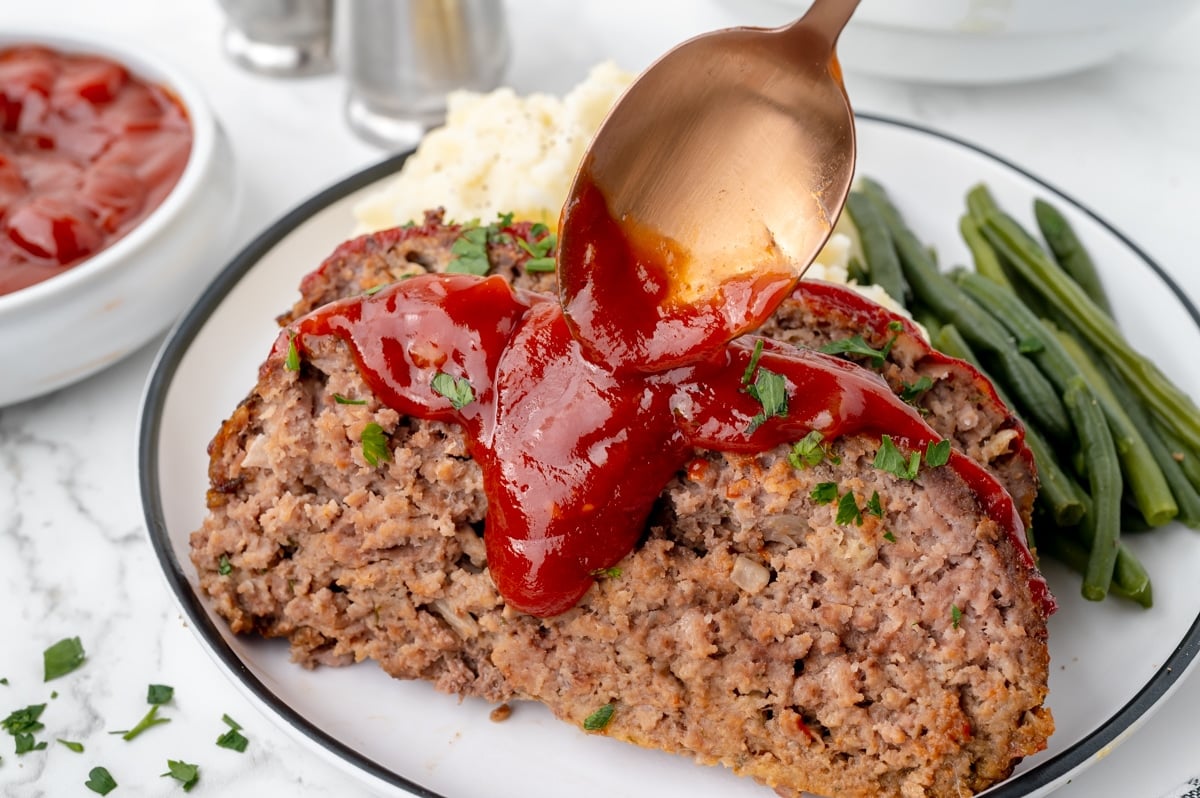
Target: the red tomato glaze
(87, 150)
(574, 453)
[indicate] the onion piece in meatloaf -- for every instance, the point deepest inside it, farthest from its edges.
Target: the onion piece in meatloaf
(901, 656)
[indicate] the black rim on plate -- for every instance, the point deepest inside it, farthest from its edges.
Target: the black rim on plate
(185, 331)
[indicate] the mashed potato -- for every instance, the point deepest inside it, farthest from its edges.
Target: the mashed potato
(500, 153)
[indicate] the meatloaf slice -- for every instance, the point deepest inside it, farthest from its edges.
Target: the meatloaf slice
(899, 654)
(959, 403)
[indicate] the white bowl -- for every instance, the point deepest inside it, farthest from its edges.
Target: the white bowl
(65, 328)
(993, 41)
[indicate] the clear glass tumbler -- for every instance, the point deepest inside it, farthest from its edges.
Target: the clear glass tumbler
(281, 38)
(401, 58)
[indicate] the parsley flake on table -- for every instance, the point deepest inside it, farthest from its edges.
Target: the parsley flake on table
(937, 454)
(374, 445)
(63, 657)
(224, 566)
(100, 781)
(184, 772)
(26, 743)
(824, 493)
(24, 720)
(890, 459)
(159, 693)
(148, 720)
(4, 681)
(74, 746)
(599, 719)
(233, 739)
(457, 389)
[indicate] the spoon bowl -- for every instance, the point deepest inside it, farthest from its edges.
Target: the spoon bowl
(727, 163)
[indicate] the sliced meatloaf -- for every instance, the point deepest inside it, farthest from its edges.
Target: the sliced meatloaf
(893, 654)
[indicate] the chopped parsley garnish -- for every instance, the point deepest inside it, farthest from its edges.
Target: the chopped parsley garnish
(292, 361)
(937, 454)
(375, 289)
(457, 389)
(856, 345)
(824, 493)
(848, 511)
(159, 693)
(224, 566)
(611, 572)
(538, 244)
(148, 720)
(374, 444)
(470, 249)
(470, 252)
(910, 392)
(873, 506)
(184, 772)
(74, 746)
(892, 460)
(766, 387)
(748, 374)
(100, 781)
(770, 389)
(540, 264)
(345, 400)
(889, 537)
(955, 615)
(63, 657)
(233, 739)
(809, 451)
(599, 719)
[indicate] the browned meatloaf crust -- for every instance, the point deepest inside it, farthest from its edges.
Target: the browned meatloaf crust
(902, 656)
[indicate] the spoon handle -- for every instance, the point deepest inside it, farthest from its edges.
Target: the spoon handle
(823, 21)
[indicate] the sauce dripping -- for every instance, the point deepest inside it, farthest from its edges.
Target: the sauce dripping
(637, 301)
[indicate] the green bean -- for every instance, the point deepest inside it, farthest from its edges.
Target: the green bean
(934, 289)
(986, 261)
(1057, 490)
(1130, 580)
(1103, 524)
(882, 264)
(1188, 461)
(1187, 495)
(1142, 472)
(1069, 252)
(1169, 404)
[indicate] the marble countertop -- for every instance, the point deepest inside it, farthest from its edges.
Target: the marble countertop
(74, 556)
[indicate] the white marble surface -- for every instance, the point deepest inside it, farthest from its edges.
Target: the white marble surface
(74, 559)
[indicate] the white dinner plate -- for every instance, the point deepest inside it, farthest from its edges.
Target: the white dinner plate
(1111, 663)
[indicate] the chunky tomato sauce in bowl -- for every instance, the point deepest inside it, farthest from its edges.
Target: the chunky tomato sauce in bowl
(116, 188)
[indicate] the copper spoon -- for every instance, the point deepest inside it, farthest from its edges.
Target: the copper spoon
(737, 149)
